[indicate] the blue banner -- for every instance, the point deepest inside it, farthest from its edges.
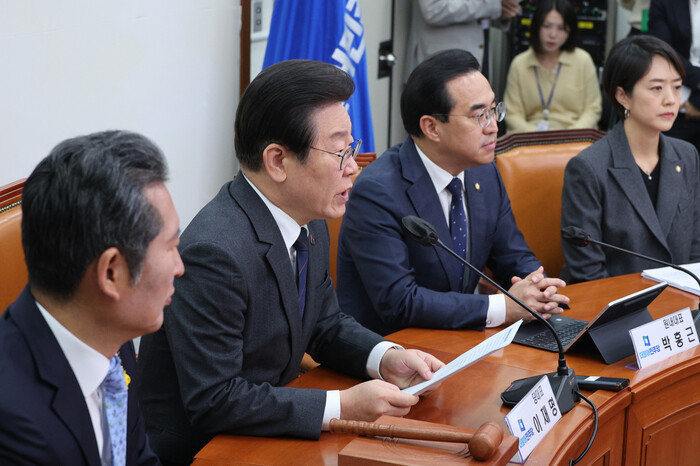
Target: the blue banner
(330, 31)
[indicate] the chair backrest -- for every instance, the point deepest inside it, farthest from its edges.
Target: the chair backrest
(365, 158)
(13, 271)
(362, 160)
(532, 166)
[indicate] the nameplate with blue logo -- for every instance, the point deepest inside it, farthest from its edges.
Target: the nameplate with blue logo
(664, 337)
(532, 418)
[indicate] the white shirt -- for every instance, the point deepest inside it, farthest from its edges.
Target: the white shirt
(694, 57)
(496, 313)
(89, 367)
(290, 230)
(695, 32)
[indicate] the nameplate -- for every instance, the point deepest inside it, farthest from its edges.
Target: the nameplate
(664, 337)
(532, 418)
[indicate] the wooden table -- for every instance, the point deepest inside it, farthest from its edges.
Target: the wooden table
(655, 421)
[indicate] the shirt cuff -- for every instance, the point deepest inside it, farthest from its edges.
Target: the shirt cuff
(376, 355)
(332, 409)
(496, 314)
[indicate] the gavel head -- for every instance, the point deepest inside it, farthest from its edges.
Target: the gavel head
(486, 441)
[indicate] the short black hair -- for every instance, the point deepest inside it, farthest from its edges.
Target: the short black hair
(426, 91)
(630, 59)
(278, 105)
(86, 196)
(566, 10)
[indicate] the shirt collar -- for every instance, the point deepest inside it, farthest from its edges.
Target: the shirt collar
(288, 227)
(89, 366)
(440, 177)
(565, 58)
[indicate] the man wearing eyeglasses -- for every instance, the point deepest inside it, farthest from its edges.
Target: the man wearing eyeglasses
(257, 293)
(444, 173)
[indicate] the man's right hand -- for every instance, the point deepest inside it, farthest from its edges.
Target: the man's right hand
(509, 8)
(369, 400)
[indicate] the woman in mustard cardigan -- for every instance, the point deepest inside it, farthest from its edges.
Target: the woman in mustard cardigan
(553, 84)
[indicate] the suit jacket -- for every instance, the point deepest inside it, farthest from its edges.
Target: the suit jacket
(604, 194)
(438, 25)
(234, 335)
(389, 282)
(43, 415)
(669, 20)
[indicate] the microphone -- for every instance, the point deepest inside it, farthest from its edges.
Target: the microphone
(563, 382)
(580, 238)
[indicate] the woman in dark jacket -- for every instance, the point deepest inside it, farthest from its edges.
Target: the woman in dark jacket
(635, 188)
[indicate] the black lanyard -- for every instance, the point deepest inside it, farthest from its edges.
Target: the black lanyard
(545, 108)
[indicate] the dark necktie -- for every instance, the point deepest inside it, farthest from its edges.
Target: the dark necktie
(458, 222)
(114, 405)
(302, 247)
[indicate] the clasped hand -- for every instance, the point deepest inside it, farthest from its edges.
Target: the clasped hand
(539, 293)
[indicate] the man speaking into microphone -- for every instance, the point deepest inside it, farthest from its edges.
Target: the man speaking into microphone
(444, 173)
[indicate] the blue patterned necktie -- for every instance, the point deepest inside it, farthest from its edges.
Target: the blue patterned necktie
(458, 223)
(302, 247)
(114, 405)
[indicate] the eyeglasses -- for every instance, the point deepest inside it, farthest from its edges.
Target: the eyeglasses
(498, 112)
(350, 152)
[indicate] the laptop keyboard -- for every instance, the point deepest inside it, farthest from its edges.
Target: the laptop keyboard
(545, 340)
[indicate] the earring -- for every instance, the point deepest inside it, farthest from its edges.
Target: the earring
(627, 113)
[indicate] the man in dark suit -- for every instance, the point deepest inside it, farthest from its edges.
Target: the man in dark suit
(389, 282)
(240, 323)
(670, 21)
(99, 233)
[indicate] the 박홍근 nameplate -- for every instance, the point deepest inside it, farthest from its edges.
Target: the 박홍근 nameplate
(664, 337)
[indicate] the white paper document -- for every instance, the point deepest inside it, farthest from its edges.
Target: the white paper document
(676, 278)
(480, 351)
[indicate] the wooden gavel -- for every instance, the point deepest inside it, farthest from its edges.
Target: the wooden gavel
(482, 444)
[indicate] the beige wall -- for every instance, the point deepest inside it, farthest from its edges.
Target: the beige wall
(166, 69)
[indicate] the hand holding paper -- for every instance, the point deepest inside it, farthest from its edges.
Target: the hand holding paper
(480, 351)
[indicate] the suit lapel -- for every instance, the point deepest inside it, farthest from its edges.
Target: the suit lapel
(426, 203)
(626, 173)
(313, 276)
(671, 178)
(53, 368)
(476, 208)
(276, 254)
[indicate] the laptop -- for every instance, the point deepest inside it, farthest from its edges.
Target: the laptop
(607, 332)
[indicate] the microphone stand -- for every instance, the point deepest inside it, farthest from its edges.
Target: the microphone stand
(580, 238)
(584, 242)
(563, 381)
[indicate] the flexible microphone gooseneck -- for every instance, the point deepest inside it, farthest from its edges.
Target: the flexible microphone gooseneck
(563, 381)
(580, 238)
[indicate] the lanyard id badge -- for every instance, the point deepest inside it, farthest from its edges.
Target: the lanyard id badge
(543, 124)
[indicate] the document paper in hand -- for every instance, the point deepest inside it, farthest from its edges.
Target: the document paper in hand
(480, 351)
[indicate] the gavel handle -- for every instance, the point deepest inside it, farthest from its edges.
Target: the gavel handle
(392, 431)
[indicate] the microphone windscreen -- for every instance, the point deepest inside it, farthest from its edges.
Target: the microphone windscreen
(419, 230)
(575, 235)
